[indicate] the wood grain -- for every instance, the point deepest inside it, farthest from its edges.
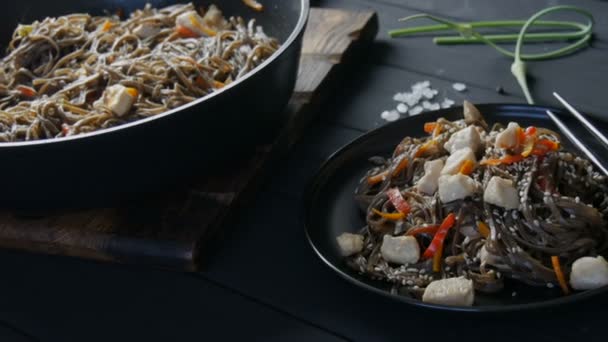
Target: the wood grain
(170, 230)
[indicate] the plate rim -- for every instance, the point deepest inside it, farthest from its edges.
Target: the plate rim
(315, 182)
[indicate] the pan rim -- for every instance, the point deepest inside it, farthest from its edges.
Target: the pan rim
(299, 27)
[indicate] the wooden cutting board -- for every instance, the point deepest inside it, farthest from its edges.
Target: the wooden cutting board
(171, 231)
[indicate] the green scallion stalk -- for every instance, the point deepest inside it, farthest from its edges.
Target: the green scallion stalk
(581, 35)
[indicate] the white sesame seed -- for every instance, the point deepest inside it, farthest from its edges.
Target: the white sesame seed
(550, 285)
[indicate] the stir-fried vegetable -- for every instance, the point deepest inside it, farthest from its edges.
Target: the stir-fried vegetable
(394, 195)
(561, 279)
(432, 229)
(439, 237)
(254, 4)
(389, 216)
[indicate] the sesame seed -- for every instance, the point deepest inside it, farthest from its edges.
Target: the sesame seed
(550, 285)
(513, 294)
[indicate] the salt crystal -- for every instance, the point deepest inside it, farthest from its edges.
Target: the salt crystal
(447, 103)
(402, 108)
(459, 87)
(390, 115)
(426, 104)
(435, 106)
(398, 97)
(416, 110)
(428, 93)
(421, 85)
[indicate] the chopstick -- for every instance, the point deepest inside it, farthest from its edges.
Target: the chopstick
(588, 125)
(568, 133)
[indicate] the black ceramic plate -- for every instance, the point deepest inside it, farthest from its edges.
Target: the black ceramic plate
(331, 209)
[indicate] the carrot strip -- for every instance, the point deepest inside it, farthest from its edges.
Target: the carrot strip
(378, 178)
(509, 159)
(185, 32)
(422, 230)
(429, 127)
(467, 167)
(26, 91)
(548, 144)
(426, 147)
(389, 216)
(561, 279)
(107, 25)
(254, 4)
(132, 92)
(401, 166)
(483, 229)
(437, 259)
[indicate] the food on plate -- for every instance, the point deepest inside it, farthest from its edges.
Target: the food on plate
(79, 73)
(467, 206)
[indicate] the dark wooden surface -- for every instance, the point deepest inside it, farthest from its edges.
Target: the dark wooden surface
(261, 280)
(172, 230)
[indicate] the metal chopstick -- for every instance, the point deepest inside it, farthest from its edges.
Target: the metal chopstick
(590, 127)
(568, 133)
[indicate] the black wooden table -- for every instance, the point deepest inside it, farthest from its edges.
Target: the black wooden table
(262, 281)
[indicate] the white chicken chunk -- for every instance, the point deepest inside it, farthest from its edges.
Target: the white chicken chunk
(508, 138)
(501, 192)
(589, 273)
(193, 22)
(350, 243)
(119, 99)
(451, 291)
(432, 170)
(456, 159)
(468, 137)
(146, 30)
(455, 187)
(400, 249)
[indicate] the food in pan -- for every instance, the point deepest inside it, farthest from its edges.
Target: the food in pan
(468, 206)
(79, 73)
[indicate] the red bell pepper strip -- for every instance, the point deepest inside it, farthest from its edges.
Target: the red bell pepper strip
(439, 237)
(394, 195)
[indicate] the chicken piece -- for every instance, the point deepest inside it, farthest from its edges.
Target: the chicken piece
(432, 170)
(193, 24)
(501, 192)
(214, 18)
(350, 243)
(119, 99)
(456, 159)
(589, 273)
(455, 187)
(509, 137)
(400, 249)
(451, 291)
(467, 137)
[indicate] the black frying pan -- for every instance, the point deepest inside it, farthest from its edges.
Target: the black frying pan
(150, 155)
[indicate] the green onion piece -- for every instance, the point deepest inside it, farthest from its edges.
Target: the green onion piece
(581, 35)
